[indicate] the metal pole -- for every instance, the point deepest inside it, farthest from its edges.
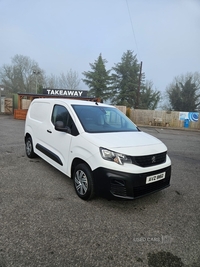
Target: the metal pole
(138, 92)
(36, 79)
(36, 82)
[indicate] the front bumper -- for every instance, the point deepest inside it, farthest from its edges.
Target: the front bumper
(112, 183)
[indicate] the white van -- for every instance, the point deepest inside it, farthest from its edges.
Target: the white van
(98, 147)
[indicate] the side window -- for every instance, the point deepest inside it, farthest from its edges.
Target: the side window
(60, 113)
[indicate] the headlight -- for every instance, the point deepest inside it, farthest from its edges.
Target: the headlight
(114, 156)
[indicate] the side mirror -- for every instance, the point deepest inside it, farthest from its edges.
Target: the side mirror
(59, 126)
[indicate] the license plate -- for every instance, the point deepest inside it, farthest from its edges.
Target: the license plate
(155, 178)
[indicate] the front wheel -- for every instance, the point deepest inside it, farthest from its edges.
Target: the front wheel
(29, 148)
(83, 181)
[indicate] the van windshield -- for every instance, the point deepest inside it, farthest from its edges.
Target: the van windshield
(98, 119)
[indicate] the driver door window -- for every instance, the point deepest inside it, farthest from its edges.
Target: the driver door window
(60, 113)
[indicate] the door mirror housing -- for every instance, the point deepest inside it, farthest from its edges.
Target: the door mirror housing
(59, 126)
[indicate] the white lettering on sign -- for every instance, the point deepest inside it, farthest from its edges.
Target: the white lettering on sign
(70, 93)
(75, 93)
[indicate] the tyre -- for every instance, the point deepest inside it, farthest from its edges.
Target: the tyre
(83, 181)
(29, 148)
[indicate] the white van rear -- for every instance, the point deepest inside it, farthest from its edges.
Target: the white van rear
(98, 147)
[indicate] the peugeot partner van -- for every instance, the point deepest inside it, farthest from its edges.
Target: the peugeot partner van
(97, 146)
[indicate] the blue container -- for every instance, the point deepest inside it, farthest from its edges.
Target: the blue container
(186, 123)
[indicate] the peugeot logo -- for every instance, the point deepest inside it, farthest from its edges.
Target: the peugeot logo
(153, 159)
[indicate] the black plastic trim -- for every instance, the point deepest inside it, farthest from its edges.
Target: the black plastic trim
(127, 185)
(49, 154)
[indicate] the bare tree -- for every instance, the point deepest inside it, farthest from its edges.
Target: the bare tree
(70, 80)
(23, 75)
(52, 81)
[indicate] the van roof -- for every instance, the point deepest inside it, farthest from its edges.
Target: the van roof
(69, 101)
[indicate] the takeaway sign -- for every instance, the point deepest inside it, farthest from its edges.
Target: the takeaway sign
(65, 92)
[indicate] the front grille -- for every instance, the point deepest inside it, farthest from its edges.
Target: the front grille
(150, 188)
(150, 160)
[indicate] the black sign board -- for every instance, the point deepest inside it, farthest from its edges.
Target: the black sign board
(65, 92)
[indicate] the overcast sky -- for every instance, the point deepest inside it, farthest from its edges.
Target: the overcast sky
(69, 34)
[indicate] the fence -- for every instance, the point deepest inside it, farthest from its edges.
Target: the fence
(161, 118)
(138, 116)
(6, 105)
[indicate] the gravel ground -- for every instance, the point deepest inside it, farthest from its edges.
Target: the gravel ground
(44, 223)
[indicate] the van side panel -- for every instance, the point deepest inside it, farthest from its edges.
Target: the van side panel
(39, 111)
(48, 143)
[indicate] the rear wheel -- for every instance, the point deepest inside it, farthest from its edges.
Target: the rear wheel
(83, 181)
(29, 148)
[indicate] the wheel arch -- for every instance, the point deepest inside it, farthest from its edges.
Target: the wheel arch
(26, 136)
(77, 161)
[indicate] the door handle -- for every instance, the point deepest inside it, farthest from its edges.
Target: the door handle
(49, 131)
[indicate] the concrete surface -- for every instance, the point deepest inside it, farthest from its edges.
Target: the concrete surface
(43, 222)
